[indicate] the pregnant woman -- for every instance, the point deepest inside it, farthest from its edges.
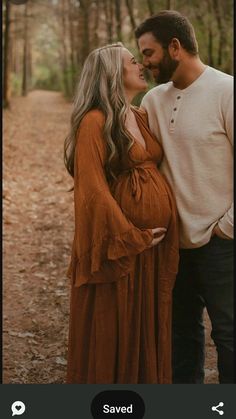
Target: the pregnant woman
(125, 249)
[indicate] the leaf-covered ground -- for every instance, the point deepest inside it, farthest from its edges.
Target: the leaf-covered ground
(38, 231)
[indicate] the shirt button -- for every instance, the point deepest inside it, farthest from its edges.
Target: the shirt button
(178, 97)
(175, 109)
(172, 120)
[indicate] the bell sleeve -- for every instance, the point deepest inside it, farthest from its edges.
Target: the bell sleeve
(105, 242)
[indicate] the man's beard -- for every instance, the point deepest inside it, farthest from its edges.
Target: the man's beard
(166, 69)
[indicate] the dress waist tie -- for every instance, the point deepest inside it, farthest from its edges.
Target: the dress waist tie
(138, 174)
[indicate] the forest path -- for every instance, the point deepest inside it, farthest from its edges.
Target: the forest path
(38, 220)
(38, 232)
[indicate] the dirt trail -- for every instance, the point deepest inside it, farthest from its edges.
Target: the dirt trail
(38, 231)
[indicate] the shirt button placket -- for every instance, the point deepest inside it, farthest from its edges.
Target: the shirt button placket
(174, 113)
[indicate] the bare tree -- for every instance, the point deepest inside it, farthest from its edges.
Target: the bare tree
(210, 35)
(96, 24)
(6, 56)
(222, 29)
(71, 9)
(64, 46)
(85, 8)
(25, 53)
(130, 7)
(108, 9)
(170, 4)
(118, 20)
(150, 6)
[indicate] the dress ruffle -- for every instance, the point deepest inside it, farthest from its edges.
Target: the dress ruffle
(110, 258)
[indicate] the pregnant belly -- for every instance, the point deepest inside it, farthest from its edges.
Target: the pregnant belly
(144, 199)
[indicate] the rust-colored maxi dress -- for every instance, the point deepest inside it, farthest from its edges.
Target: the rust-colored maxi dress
(120, 314)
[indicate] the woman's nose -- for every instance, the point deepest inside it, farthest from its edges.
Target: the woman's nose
(145, 62)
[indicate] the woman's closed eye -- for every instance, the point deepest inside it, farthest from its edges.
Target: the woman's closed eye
(134, 61)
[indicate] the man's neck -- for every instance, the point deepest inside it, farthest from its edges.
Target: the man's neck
(187, 72)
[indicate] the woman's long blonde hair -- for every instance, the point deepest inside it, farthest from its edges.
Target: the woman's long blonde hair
(101, 87)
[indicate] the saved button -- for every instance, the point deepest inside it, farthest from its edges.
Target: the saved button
(118, 404)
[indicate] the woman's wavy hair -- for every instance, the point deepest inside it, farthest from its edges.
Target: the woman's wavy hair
(101, 87)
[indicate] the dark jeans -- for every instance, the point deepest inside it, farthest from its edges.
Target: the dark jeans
(205, 279)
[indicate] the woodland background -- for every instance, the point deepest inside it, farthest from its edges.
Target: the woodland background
(45, 43)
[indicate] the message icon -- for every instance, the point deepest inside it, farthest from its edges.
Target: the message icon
(17, 408)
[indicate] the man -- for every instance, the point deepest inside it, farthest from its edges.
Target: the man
(190, 112)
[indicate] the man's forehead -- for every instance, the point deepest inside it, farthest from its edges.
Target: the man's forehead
(148, 41)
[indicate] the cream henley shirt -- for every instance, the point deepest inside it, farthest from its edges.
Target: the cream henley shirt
(195, 127)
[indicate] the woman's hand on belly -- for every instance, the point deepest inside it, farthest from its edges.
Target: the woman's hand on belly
(160, 232)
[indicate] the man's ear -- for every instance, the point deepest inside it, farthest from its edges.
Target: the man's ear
(175, 48)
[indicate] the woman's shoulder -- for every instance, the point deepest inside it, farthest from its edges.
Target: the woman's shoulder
(95, 117)
(141, 113)
(90, 131)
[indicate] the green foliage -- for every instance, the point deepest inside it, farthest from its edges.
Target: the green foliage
(138, 99)
(69, 81)
(47, 72)
(46, 78)
(16, 84)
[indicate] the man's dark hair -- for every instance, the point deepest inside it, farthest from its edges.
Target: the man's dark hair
(169, 24)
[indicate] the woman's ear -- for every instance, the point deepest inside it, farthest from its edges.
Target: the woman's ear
(175, 49)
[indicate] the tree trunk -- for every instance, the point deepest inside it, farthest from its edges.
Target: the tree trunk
(150, 7)
(25, 55)
(108, 9)
(222, 30)
(170, 4)
(210, 35)
(129, 5)
(29, 64)
(86, 35)
(118, 20)
(16, 43)
(210, 47)
(72, 40)
(110, 20)
(64, 49)
(6, 66)
(96, 25)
